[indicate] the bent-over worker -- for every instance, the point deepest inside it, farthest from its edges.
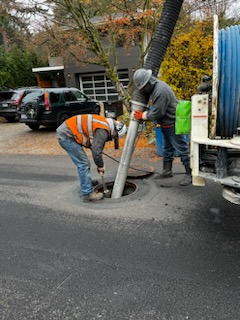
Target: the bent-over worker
(89, 131)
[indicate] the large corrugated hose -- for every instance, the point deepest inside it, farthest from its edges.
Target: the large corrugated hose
(229, 81)
(163, 35)
(160, 41)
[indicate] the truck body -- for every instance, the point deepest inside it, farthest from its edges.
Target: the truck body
(215, 119)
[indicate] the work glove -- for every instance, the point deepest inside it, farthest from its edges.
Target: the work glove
(138, 115)
(101, 170)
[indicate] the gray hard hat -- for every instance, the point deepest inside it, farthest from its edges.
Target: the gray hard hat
(141, 78)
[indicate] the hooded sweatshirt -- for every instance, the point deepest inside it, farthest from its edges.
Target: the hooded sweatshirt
(164, 102)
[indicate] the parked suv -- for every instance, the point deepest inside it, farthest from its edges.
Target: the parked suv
(52, 106)
(10, 100)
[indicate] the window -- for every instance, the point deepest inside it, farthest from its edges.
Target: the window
(16, 95)
(54, 97)
(68, 96)
(6, 95)
(79, 96)
(98, 86)
(36, 95)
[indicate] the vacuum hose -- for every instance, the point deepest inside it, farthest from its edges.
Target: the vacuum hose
(161, 39)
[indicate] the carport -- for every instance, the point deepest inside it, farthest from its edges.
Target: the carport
(50, 76)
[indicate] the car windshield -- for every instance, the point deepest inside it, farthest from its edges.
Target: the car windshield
(6, 95)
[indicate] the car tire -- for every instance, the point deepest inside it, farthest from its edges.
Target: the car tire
(96, 110)
(32, 110)
(11, 118)
(33, 126)
(61, 118)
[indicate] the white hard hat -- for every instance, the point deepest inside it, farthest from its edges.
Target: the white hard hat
(141, 77)
(111, 124)
(121, 128)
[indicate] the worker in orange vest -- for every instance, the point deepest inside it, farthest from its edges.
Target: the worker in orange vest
(89, 131)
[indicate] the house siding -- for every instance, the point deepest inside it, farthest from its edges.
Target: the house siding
(127, 60)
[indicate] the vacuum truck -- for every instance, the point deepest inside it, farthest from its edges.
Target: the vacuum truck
(215, 118)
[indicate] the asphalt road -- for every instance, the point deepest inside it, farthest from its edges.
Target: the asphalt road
(164, 252)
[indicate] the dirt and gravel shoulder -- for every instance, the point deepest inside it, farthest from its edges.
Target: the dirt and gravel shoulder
(17, 138)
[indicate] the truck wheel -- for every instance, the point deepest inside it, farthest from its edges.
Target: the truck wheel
(231, 194)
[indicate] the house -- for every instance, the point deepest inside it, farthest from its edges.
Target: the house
(90, 79)
(93, 81)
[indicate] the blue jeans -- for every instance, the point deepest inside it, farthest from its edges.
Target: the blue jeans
(175, 143)
(80, 159)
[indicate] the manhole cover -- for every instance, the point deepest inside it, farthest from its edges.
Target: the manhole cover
(139, 170)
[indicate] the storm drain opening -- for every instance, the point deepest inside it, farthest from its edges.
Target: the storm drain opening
(129, 188)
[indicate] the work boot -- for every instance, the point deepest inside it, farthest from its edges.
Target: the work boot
(188, 177)
(167, 171)
(94, 196)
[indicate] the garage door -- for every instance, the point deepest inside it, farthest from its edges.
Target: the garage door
(98, 86)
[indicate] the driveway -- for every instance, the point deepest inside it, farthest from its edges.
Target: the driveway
(17, 138)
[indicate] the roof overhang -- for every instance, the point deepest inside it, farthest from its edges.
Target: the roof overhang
(46, 69)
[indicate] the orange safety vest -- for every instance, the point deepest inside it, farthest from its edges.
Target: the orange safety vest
(83, 127)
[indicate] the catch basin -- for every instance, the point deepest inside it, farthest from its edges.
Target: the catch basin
(129, 188)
